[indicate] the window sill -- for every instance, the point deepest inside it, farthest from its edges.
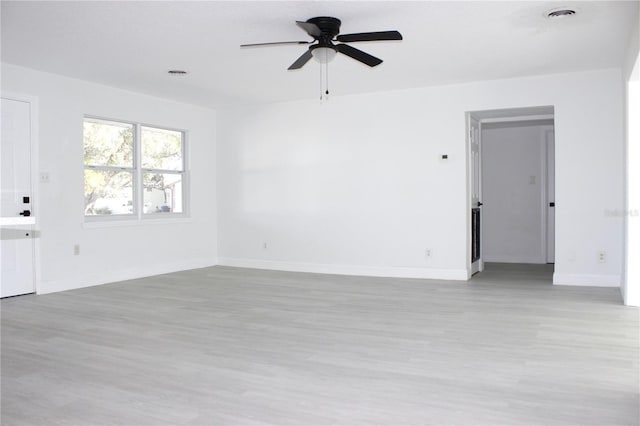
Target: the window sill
(116, 223)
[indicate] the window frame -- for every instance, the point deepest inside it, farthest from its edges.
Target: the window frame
(138, 215)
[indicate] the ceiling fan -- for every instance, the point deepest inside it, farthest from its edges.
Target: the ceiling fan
(325, 31)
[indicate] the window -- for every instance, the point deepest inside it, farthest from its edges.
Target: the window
(132, 170)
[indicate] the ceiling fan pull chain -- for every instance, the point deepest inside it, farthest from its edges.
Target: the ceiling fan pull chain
(327, 81)
(321, 94)
(324, 82)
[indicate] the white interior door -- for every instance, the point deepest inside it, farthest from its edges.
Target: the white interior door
(17, 243)
(551, 197)
(475, 184)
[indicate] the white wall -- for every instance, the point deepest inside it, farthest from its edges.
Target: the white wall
(631, 74)
(513, 173)
(121, 252)
(352, 186)
(357, 185)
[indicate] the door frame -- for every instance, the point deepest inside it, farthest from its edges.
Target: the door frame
(470, 185)
(35, 193)
(548, 162)
(541, 113)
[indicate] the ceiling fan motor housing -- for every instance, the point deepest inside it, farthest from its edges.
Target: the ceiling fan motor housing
(329, 27)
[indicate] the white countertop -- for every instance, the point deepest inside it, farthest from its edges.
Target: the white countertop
(9, 221)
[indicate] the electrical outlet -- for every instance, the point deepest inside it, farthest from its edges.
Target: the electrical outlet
(44, 177)
(76, 249)
(264, 246)
(602, 257)
(427, 253)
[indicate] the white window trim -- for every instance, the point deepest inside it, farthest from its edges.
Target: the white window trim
(139, 217)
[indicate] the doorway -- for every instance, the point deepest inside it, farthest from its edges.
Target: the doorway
(17, 248)
(511, 187)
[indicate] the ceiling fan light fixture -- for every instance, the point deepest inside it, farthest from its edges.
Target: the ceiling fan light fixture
(324, 55)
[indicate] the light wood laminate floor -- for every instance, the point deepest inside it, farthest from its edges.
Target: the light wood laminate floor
(236, 346)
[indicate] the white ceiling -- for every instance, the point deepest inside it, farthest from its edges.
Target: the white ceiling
(132, 45)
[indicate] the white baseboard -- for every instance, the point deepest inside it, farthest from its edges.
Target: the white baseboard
(106, 277)
(631, 299)
(369, 271)
(587, 280)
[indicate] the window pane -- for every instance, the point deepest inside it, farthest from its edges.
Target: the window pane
(108, 143)
(162, 193)
(161, 149)
(108, 192)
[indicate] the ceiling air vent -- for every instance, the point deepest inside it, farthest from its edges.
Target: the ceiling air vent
(560, 13)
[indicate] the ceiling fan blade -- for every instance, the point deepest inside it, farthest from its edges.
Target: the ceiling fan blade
(373, 36)
(312, 29)
(301, 60)
(358, 55)
(275, 43)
